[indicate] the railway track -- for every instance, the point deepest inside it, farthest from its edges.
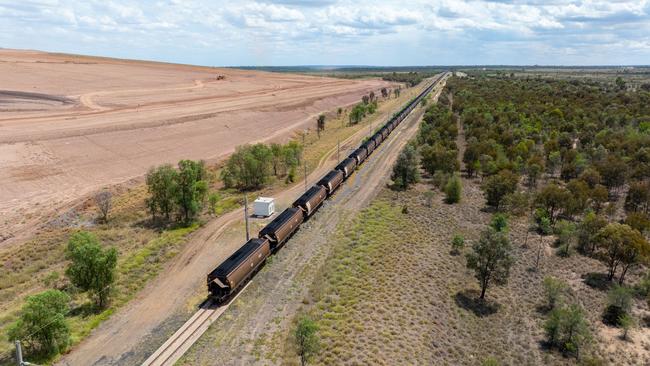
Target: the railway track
(174, 348)
(190, 332)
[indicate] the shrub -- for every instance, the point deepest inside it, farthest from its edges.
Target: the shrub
(619, 303)
(543, 221)
(565, 231)
(457, 243)
(440, 179)
(499, 222)
(496, 187)
(627, 322)
(567, 329)
(453, 190)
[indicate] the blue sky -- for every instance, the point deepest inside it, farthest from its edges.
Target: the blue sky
(332, 32)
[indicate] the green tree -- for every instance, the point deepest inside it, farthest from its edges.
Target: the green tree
(553, 198)
(161, 184)
(491, 259)
(191, 188)
(91, 267)
(306, 339)
(405, 171)
(357, 113)
(496, 187)
(620, 245)
(554, 289)
(42, 326)
(438, 157)
(453, 189)
(587, 230)
(517, 203)
(249, 167)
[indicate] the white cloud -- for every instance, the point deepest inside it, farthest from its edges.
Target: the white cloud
(335, 31)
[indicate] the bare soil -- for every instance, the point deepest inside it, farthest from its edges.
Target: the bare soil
(71, 125)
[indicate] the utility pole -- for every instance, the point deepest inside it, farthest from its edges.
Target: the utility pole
(19, 354)
(338, 149)
(246, 216)
(304, 162)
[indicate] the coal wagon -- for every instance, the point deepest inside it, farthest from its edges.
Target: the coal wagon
(311, 200)
(234, 271)
(281, 228)
(331, 181)
(347, 166)
(360, 155)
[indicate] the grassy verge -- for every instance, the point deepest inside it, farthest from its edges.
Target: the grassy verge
(144, 249)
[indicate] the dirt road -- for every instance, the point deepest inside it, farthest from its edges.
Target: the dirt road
(137, 330)
(70, 125)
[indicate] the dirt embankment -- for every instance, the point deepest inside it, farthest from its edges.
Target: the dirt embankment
(79, 124)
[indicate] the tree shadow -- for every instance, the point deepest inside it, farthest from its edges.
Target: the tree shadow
(469, 300)
(86, 309)
(645, 321)
(597, 280)
(543, 309)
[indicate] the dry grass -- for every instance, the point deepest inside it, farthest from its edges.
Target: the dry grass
(393, 293)
(144, 249)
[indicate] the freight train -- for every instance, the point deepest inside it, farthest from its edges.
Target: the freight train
(230, 275)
